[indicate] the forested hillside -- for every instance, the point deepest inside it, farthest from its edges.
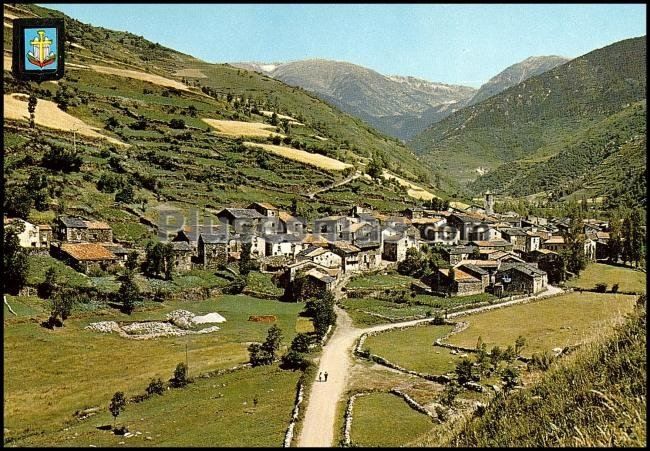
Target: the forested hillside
(533, 119)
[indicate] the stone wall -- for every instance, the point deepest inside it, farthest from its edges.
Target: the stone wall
(288, 436)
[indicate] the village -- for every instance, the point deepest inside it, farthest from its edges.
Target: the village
(482, 251)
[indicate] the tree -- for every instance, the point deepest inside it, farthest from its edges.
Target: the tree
(50, 285)
(59, 158)
(15, 262)
(301, 342)
(180, 378)
(128, 294)
(191, 110)
(324, 315)
(294, 360)
(264, 354)
(413, 264)
(464, 370)
(125, 196)
(615, 245)
(633, 237)
(31, 107)
(177, 123)
(449, 394)
(274, 119)
(510, 378)
(62, 303)
(519, 344)
(273, 340)
(245, 259)
(17, 201)
(374, 169)
(495, 356)
(575, 257)
(155, 387)
(118, 403)
(131, 261)
(159, 260)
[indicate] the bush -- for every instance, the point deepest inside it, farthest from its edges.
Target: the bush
(438, 320)
(60, 159)
(180, 378)
(155, 387)
(615, 288)
(601, 287)
(294, 360)
(177, 123)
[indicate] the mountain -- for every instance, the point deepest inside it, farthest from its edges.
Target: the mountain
(515, 74)
(187, 134)
(607, 159)
(398, 106)
(533, 120)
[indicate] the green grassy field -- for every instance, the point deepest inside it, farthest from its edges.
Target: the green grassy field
(381, 281)
(628, 279)
(385, 420)
(555, 322)
(50, 374)
(218, 411)
(413, 349)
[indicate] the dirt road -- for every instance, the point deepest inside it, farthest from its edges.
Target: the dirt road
(320, 416)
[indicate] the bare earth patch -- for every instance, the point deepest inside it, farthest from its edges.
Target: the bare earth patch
(281, 116)
(314, 159)
(49, 115)
(241, 128)
(414, 190)
(151, 78)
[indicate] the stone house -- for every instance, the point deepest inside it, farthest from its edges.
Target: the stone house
(332, 227)
(517, 237)
(240, 220)
(370, 256)
(31, 236)
(360, 232)
(523, 278)
(291, 224)
(285, 244)
(494, 245)
(396, 245)
(78, 229)
(471, 226)
(85, 257)
(477, 272)
(182, 256)
(555, 243)
(321, 256)
(213, 250)
(414, 213)
(265, 209)
(456, 282)
(455, 254)
(349, 254)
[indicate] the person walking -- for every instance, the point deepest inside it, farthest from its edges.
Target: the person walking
(320, 376)
(325, 376)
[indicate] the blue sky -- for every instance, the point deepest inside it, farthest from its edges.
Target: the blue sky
(461, 44)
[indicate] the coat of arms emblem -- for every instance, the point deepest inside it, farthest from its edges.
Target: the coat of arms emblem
(41, 55)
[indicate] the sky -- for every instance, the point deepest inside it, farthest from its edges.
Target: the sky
(463, 44)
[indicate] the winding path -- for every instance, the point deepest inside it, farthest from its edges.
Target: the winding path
(320, 415)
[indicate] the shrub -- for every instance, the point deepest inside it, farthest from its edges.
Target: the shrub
(155, 387)
(294, 360)
(542, 361)
(60, 159)
(180, 378)
(464, 371)
(177, 123)
(615, 288)
(438, 320)
(601, 287)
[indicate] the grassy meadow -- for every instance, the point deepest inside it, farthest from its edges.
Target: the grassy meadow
(50, 374)
(413, 349)
(385, 420)
(217, 411)
(559, 321)
(628, 279)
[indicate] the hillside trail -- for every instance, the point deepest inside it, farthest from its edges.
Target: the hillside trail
(356, 175)
(336, 360)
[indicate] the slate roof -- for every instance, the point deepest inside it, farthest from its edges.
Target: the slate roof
(283, 238)
(243, 213)
(523, 268)
(346, 247)
(456, 250)
(214, 238)
(514, 231)
(315, 273)
(181, 246)
(99, 225)
(474, 268)
(75, 223)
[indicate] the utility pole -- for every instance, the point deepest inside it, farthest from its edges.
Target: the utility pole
(187, 363)
(74, 138)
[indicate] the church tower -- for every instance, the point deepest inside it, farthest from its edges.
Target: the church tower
(489, 203)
